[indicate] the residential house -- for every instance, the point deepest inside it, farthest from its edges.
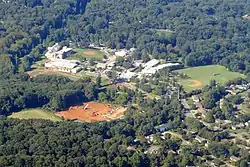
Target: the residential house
(163, 127)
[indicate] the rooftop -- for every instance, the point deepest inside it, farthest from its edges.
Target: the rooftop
(151, 63)
(61, 63)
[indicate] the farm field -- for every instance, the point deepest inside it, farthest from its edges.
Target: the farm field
(201, 76)
(87, 53)
(36, 114)
(92, 112)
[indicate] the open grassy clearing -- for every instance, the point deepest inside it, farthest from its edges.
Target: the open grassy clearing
(42, 71)
(39, 64)
(164, 32)
(201, 76)
(87, 53)
(36, 114)
(73, 77)
(245, 109)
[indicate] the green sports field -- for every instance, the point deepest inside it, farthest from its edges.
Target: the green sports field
(35, 114)
(87, 53)
(201, 76)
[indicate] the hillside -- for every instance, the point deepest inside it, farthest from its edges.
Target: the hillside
(137, 83)
(212, 32)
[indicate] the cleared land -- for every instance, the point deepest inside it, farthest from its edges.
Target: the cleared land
(87, 53)
(201, 76)
(36, 114)
(93, 112)
(164, 32)
(42, 71)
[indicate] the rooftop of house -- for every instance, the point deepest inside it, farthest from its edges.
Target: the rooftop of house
(163, 126)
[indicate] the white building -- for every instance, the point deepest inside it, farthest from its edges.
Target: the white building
(149, 69)
(127, 75)
(151, 63)
(69, 66)
(122, 53)
(57, 52)
(76, 70)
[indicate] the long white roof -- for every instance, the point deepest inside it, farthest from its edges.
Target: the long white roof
(151, 63)
(153, 70)
(61, 63)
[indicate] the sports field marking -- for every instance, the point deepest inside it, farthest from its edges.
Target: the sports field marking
(196, 83)
(201, 76)
(89, 53)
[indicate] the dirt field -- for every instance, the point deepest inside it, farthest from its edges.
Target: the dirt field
(93, 112)
(90, 53)
(196, 83)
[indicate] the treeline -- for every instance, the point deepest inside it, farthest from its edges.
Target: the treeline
(197, 33)
(44, 143)
(51, 91)
(26, 27)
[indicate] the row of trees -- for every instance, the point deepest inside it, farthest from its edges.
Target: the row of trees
(198, 33)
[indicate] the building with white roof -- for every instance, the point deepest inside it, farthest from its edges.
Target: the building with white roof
(69, 66)
(151, 63)
(57, 52)
(149, 69)
(122, 53)
(127, 75)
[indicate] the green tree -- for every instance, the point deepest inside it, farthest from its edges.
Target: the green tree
(193, 124)
(209, 117)
(122, 98)
(25, 64)
(102, 97)
(6, 66)
(98, 81)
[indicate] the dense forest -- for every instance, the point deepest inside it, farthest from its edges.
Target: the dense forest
(195, 32)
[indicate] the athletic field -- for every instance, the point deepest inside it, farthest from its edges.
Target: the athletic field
(201, 76)
(36, 114)
(87, 53)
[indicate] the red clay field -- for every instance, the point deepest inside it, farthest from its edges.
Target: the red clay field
(92, 112)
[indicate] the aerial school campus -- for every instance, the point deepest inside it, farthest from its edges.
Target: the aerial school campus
(94, 61)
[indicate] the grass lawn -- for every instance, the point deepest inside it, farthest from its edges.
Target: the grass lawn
(164, 32)
(39, 64)
(201, 76)
(87, 53)
(36, 114)
(245, 109)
